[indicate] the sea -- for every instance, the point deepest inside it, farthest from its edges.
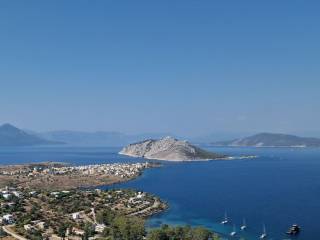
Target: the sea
(278, 188)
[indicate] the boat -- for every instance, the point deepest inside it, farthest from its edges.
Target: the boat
(225, 219)
(264, 233)
(293, 230)
(234, 232)
(244, 225)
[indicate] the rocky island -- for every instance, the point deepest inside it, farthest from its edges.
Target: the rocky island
(169, 149)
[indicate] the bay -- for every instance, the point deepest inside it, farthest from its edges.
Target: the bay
(278, 188)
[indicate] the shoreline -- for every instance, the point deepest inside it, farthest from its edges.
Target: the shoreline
(239, 146)
(192, 160)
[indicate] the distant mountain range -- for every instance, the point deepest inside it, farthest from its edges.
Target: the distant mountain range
(78, 138)
(12, 136)
(271, 140)
(101, 138)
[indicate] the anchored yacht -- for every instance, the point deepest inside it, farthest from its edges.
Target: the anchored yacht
(244, 225)
(234, 232)
(225, 219)
(264, 233)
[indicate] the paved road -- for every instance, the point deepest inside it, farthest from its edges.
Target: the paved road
(9, 231)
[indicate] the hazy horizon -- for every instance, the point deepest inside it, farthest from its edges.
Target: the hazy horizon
(186, 68)
(210, 136)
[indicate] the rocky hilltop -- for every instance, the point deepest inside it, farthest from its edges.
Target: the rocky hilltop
(271, 140)
(169, 149)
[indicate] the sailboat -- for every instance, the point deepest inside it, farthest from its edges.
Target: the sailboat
(264, 233)
(244, 225)
(234, 232)
(225, 220)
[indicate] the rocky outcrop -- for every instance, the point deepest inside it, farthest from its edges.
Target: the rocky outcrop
(169, 149)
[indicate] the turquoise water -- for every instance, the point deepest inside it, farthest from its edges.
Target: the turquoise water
(279, 188)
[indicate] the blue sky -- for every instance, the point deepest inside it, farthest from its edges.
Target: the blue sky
(185, 67)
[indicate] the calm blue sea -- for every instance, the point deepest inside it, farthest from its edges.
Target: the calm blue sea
(279, 188)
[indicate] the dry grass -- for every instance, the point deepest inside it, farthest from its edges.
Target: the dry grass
(59, 182)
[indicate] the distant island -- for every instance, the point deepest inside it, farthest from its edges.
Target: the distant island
(169, 149)
(11, 136)
(271, 140)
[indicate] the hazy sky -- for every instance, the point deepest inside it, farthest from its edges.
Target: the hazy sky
(186, 67)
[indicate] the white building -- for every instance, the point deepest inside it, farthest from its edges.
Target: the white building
(99, 228)
(76, 216)
(78, 231)
(8, 219)
(6, 196)
(17, 194)
(28, 227)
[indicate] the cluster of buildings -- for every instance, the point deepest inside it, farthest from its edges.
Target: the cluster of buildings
(79, 216)
(8, 194)
(123, 170)
(35, 225)
(138, 198)
(7, 219)
(131, 203)
(128, 202)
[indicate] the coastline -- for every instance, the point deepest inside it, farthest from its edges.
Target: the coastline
(97, 208)
(253, 146)
(192, 160)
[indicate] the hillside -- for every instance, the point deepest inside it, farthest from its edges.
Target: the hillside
(12, 136)
(271, 140)
(169, 149)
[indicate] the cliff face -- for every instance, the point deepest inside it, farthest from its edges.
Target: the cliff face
(169, 149)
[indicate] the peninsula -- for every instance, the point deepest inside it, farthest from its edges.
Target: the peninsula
(75, 214)
(271, 140)
(60, 176)
(43, 201)
(169, 149)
